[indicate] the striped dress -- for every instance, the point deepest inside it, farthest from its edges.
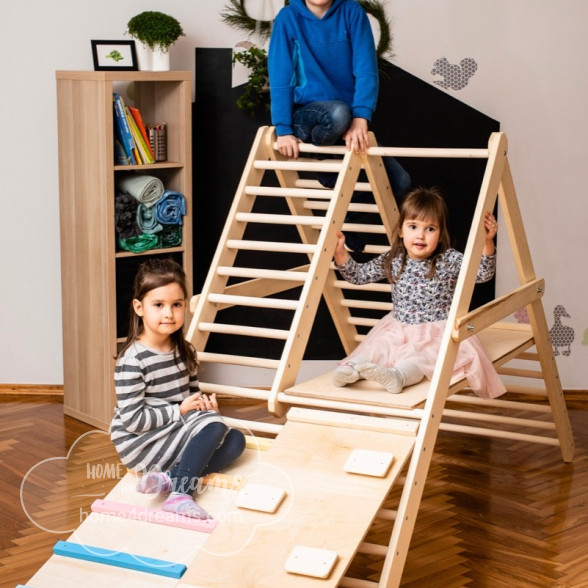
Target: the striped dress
(147, 430)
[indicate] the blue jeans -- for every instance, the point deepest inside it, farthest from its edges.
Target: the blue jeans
(210, 450)
(323, 123)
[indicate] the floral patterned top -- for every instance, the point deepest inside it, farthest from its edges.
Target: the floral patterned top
(418, 299)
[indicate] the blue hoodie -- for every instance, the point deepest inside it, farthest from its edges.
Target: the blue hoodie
(317, 59)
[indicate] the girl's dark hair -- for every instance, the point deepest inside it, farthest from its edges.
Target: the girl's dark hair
(155, 273)
(419, 204)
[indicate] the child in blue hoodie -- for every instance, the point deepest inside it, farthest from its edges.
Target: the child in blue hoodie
(323, 73)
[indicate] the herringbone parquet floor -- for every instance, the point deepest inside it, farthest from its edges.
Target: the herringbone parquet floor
(494, 513)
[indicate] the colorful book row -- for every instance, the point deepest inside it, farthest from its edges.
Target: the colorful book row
(131, 142)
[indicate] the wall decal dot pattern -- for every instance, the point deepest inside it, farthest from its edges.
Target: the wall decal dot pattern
(522, 316)
(455, 76)
(561, 336)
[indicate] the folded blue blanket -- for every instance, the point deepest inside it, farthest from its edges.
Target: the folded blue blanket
(146, 220)
(170, 208)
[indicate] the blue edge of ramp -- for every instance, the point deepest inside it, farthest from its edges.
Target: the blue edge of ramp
(138, 563)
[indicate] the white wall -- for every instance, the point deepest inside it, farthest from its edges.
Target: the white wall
(531, 55)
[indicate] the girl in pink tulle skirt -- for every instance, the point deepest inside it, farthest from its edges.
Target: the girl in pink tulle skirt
(423, 270)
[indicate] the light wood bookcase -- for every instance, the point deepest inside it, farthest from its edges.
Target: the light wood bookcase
(96, 278)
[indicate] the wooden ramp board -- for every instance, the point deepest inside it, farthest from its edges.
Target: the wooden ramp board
(325, 507)
(502, 341)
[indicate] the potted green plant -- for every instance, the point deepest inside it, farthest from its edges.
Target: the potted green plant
(155, 32)
(256, 91)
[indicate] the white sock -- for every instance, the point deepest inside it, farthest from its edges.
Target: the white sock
(390, 378)
(410, 372)
(346, 373)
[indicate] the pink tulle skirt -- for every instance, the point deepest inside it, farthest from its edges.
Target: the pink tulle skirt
(391, 341)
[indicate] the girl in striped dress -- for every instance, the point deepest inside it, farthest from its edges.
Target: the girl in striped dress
(163, 426)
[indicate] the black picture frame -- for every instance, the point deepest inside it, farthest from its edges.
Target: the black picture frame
(105, 59)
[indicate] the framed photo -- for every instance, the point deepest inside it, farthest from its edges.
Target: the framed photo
(114, 56)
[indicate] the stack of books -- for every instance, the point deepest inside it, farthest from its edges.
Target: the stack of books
(131, 141)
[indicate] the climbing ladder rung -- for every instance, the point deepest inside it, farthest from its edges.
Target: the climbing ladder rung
(508, 371)
(353, 207)
(242, 360)
(244, 330)
(240, 391)
(376, 249)
(321, 193)
(367, 304)
(251, 272)
(254, 301)
(275, 246)
(298, 165)
(429, 152)
(376, 229)
(278, 219)
(362, 321)
(379, 287)
(310, 148)
(498, 403)
(517, 422)
(313, 184)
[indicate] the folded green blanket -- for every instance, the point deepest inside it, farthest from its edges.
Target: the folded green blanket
(171, 236)
(145, 189)
(140, 243)
(147, 220)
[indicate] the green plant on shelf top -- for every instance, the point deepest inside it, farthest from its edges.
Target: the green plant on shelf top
(155, 29)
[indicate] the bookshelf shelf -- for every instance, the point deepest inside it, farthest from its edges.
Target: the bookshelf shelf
(150, 253)
(96, 277)
(150, 166)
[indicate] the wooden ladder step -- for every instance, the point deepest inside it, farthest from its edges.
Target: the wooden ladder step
(290, 165)
(320, 193)
(376, 229)
(353, 207)
(274, 246)
(254, 301)
(228, 390)
(310, 184)
(261, 332)
(367, 304)
(278, 219)
(243, 272)
(378, 287)
(242, 360)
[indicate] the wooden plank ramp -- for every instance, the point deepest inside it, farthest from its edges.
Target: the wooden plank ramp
(325, 507)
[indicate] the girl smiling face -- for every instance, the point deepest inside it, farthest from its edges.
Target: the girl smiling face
(420, 237)
(162, 310)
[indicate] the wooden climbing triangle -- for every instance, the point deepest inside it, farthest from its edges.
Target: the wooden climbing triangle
(316, 214)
